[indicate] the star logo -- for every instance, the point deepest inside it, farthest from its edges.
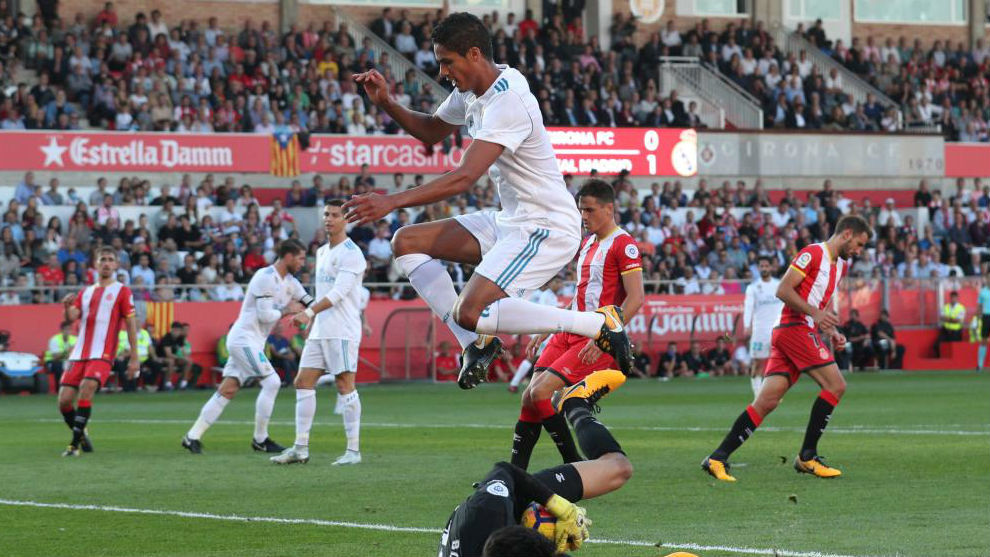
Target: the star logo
(53, 153)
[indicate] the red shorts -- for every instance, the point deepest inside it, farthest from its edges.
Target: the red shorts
(795, 349)
(560, 357)
(86, 369)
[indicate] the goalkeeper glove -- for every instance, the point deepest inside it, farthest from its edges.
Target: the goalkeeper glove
(572, 523)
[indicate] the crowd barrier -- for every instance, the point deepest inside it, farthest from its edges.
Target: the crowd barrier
(405, 334)
(640, 151)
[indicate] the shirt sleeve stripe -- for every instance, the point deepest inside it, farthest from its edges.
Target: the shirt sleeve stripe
(627, 271)
(798, 270)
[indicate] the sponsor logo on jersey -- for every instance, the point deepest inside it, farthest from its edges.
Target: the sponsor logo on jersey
(498, 487)
(632, 252)
(823, 353)
(803, 260)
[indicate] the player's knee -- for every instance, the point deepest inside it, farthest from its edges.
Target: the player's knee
(403, 242)
(838, 389)
(466, 315)
(227, 390)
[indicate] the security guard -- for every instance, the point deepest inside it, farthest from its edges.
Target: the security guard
(144, 345)
(953, 317)
(59, 348)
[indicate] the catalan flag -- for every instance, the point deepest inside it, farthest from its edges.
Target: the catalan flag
(285, 154)
(161, 315)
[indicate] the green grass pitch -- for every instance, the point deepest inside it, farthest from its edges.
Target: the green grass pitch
(914, 449)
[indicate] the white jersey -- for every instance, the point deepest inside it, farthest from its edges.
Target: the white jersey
(762, 307)
(530, 186)
(272, 293)
(343, 262)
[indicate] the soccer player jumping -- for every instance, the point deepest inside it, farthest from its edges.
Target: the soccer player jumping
(796, 348)
(517, 249)
(101, 309)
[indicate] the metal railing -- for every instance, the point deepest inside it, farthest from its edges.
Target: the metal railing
(791, 42)
(398, 63)
(732, 102)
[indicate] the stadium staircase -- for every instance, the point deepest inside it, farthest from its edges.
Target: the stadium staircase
(790, 42)
(721, 103)
(397, 63)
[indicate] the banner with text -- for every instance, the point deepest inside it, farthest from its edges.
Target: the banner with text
(125, 152)
(641, 151)
(819, 154)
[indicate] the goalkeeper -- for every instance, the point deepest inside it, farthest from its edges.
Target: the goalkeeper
(500, 499)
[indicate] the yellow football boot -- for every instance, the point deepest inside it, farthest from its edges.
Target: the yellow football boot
(592, 388)
(816, 467)
(717, 469)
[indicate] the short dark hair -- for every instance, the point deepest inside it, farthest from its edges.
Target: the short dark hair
(109, 250)
(290, 247)
(518, 540)
(764, 258)
(856, 223)
(460, 32)
(335, 203)
(599, 189)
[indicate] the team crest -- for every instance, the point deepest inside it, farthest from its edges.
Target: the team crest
(632, 252)
(803, 260)
(823, 353)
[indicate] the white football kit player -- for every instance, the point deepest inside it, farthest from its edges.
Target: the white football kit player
(335, 333)
(538, 229)
(267, 295)
(760, 314)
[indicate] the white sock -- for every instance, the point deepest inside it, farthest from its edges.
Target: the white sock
(209, 414)
(183, 384)
(305, 410)
(756, 382)
(516, 316)
(521, 372)
(351, 405)
(430, 279)
(263, 406)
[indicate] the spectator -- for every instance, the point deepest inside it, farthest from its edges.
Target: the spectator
(719, 360)
(445, 364)
(889, 352)
(859, 347)
(671, 363)
(229, 291)
(280, 353)
(695, 364)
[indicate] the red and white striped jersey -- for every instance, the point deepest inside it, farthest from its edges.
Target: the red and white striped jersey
(600, 267)
(821, 276)
(103, 311)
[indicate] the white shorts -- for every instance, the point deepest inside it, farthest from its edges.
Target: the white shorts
(519, 259)
(246, 363)
(332, 355)
(759, 347)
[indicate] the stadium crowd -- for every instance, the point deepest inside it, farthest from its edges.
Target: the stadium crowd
(198, 77)
(210, 237)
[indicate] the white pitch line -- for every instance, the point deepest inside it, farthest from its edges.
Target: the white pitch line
(852, 430)
(393, 528)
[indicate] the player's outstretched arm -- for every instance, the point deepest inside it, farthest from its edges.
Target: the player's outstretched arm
(787, 293)
(477, 159)
(427, 128)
